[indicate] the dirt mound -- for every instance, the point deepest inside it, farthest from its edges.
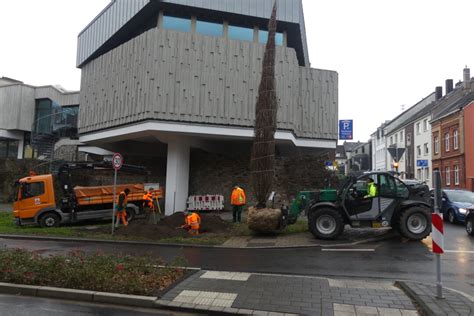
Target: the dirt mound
(264, 221)
(167, 227)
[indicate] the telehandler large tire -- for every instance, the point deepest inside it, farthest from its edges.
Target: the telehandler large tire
(325, 223)
(415, 223)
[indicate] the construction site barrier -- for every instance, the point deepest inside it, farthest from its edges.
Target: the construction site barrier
(206, 203)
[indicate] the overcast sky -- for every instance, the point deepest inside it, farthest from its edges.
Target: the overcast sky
(388, 54)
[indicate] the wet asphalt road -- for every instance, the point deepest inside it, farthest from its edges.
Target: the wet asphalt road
(33, 306)
(395, 258)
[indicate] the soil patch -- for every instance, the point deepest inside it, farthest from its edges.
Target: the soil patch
(168, 227)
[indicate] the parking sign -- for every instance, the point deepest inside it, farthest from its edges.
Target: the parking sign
(346, 129)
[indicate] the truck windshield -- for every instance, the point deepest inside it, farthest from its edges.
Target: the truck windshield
(33, 189)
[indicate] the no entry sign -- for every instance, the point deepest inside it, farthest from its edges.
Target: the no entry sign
(117, 161)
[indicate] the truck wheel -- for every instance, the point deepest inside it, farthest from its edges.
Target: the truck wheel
(326, 223)
(415, 223)
(130, 214)
(470, 226)
(49, 220)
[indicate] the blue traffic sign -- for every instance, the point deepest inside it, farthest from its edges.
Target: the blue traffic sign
(422, 163)
(346, 129)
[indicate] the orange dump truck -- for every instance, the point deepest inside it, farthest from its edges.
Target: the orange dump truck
(35, 200)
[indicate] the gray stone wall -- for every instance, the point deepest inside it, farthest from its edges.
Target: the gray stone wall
(216, 174)
(182, 77)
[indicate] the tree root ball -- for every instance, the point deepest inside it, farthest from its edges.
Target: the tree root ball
(264, 221)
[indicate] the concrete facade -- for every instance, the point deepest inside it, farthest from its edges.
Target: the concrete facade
(149, 89)
(18, 103)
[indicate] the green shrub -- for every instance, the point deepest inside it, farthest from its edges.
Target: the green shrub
(96, 272)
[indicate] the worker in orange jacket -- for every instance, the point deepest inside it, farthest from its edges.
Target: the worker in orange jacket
(122, 208)
(237, 200)
(192, 222)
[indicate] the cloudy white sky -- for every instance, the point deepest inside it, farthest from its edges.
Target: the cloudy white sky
(388, 53)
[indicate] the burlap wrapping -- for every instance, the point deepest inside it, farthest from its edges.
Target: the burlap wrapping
(264, 221)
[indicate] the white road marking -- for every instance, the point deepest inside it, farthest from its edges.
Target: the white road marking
(348, 250)
(459, 251)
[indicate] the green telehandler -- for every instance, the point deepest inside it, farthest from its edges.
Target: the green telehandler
(406, 209)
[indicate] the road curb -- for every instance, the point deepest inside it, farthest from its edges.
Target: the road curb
(415, 297)
(78, 295)
(174, 245)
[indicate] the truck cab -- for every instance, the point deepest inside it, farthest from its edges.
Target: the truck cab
(34, 199)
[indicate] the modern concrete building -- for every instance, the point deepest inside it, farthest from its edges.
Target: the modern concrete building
(31, 114)
(160, 78)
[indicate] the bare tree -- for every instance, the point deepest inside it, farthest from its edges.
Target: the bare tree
(262, 162)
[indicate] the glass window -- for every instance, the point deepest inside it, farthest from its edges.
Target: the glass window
(436, 145)
(425, 125)
(387, 186)
(241, 33)
(418, 174)
(3, 148)
(209, 28)
(408, 139)
(427, 173)
(177, 24)
(427, 150)
(447, 171)
(13, 149)
(446, 141)
(418, 150)
(43, 116)
(33, 189)
(401, 136)
(456, 139)
(391, 140)
(456, 175)
(402, 190)
(263, 37)
(396, 138)
(418, 128)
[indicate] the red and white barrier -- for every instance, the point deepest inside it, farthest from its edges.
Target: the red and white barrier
(437, 232)
(206, 203)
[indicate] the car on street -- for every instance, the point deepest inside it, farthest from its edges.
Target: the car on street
(456, 204)
(470, 222)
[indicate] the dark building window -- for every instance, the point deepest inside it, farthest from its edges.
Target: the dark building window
(263, 37)
(8, 148)
(176, 24)
(209, 28)
(241, 33)
(43, 117)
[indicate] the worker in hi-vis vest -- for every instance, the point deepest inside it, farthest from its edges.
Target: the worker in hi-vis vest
(371, 189)
(192, 222)
(122, 208)
(237, 200)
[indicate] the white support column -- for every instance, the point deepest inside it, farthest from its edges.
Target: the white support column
(177, 176)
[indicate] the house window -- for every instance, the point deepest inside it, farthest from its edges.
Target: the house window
(417, 128)
(418, 174)
(176, 24)
(241, 33)
(263, 38)
(427, 150)
(456, 139)
(396, 138)
(436, 145)
(427, 173)
(209, 28)
(408, 139)
(456, 175)
(446, 141)
(401, 136)
(447, 171)
(425, 125)
(418, 151)
(391, 140)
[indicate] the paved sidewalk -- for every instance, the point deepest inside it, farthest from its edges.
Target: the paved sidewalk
(452, 302)
(261, 294)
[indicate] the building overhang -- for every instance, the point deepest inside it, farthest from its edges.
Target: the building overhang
(195, 133)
